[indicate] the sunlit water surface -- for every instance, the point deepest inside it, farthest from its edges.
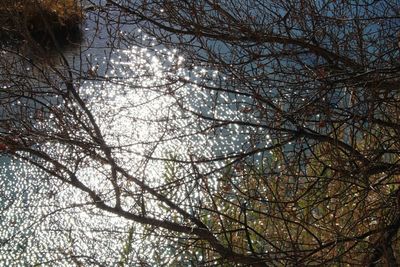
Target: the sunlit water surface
(144, 112)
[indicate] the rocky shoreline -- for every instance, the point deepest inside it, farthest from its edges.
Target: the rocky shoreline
(46, 22)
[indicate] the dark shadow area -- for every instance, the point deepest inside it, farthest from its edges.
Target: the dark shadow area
(47, 24)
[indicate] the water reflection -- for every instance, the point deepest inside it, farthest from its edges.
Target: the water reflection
(147, 104)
